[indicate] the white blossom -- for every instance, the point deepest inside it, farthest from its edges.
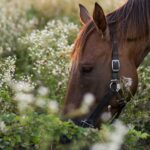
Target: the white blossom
(88, 99)
(127, 82)
(14, 22)
(115, 138)
(43, 91)
(53, 106)
(24, 98)
(22, 86)
(40, 102)
(7, 67)
(49, 49)
(106, 116)
(3, 127)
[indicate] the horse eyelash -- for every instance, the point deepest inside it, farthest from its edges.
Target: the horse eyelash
(86, 69)
(134, 39)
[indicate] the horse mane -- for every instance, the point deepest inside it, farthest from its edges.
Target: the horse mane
(132, 19)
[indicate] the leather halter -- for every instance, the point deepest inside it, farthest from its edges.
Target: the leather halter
(113, 90)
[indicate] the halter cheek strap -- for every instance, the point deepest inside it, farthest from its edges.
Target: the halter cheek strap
(113, 90)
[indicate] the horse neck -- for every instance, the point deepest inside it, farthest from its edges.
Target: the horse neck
(143, 48)
(140, 54)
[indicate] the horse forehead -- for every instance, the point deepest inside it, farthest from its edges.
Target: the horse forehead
(93, 37)
(95, 47)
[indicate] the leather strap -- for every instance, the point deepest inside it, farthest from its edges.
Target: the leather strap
(90, 121)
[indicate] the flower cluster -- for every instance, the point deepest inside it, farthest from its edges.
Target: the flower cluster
(114, 139)
(49, 47)
(13, 23)
(7, 70)
(49, 50)
(28, 98)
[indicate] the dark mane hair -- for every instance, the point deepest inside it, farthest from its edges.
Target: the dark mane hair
(132, 19)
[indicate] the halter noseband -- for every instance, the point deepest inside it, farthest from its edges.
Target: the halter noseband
(113, 90)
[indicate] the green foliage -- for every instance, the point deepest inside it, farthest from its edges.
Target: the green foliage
(40, 131)
(134, 138)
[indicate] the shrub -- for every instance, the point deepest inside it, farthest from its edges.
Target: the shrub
(49, 50)
(14, 23)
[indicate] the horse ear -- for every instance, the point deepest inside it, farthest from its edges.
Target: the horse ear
(99, 17)
(84, 15)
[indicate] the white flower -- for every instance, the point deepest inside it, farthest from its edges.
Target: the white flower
(3, 127)
(7, 67)
(106, 116)
(53, 106)
(115, 139)
(43, 91)
(40, 102)
(25, 98)
(22, 106)
(22, 86)
(100, 147)
(127, 82)
(88, 99)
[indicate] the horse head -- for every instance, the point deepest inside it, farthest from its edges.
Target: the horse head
(102, 55)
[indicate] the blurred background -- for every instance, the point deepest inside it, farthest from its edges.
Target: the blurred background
(70, 7)
(59, 8)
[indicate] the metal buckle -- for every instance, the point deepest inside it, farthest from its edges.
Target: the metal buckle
(85, 123)
(118, 86)
(115, 65)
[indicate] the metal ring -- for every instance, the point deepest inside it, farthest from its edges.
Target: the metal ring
(117, 86)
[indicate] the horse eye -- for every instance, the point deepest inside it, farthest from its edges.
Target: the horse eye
(86, 69)
(132, 39)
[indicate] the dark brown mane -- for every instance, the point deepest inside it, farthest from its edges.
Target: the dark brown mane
(133, 18)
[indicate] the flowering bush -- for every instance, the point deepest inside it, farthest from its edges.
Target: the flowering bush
(139, 107)
(49, 50)
(14, 23)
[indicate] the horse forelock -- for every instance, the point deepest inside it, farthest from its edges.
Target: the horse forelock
(81, 40)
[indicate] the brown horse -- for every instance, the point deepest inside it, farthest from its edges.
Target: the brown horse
(108, 51)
